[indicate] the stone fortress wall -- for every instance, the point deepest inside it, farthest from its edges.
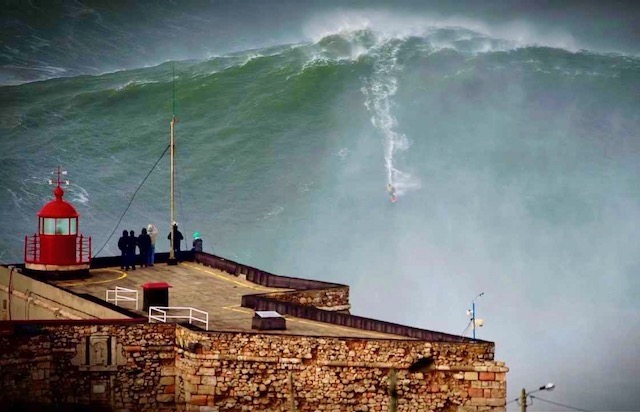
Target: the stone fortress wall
(132, 366)
(129, 365)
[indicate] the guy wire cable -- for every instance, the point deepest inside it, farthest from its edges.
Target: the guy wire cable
(560, 404)
(131, 200)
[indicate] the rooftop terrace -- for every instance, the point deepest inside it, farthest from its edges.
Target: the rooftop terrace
(211, 290)
(231, 293)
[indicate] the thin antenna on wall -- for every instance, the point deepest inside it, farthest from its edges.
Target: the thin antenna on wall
(474, 322)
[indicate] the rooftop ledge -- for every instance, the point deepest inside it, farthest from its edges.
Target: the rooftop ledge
(230, 292)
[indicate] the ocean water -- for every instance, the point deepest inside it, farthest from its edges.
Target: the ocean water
(516, 167)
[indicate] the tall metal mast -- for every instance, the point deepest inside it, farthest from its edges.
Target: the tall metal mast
(172, 256)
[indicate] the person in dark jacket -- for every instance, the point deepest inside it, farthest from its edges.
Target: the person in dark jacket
(123, 245)
(177, 239)
(144, 244)
(131, 249)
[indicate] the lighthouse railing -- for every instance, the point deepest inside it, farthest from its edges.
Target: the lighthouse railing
(31, 249)
(84, 249)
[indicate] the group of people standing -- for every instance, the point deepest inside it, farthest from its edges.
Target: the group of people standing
(146, 243)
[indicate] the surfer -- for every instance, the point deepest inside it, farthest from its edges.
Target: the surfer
(392, 193)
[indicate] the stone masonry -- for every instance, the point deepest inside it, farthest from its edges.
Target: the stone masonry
(335, 298)
(115, 365)
(244, 372)
(131, 366)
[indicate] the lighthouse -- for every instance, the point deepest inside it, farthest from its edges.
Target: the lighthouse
(58, 247)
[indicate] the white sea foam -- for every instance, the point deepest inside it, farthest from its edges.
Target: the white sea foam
(132, 83)
(379, 90)
(249, 58)
(17, 200)
(252, 55)
(385, 24)
(78, 194)
(316, 59)
(305, 187)
(124, 86)
(275, 211)
(343, 153)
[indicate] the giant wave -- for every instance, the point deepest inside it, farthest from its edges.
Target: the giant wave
(517, 167)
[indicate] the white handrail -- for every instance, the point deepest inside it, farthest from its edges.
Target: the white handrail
(162, 315)
(120, 294)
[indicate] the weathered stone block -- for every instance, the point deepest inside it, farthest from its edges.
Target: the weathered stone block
(198, 400)
(167, 380)
(206, 389)
(209, 380)
(476, 392)
(487, 376)
(498, 393)
(168, 371)
(496, 402)
(165, 398)
(471, 376)
(190, 387)
(478, 402)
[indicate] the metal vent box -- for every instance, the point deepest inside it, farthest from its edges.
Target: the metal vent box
(268, 320)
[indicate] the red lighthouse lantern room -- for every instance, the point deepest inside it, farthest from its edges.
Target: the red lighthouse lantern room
(58, 246)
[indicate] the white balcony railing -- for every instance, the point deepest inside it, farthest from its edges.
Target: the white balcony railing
(164, 313)
(120, 294)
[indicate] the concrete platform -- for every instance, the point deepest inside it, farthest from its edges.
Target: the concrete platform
(210, 290)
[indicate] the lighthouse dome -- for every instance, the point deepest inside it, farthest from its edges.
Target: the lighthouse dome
(58, 207)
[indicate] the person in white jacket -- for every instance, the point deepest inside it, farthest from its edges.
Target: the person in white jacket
(152, 231)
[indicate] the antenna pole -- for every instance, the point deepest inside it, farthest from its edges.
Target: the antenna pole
(173, 89)
(473, 315)
(473, 318)
(172, 255)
